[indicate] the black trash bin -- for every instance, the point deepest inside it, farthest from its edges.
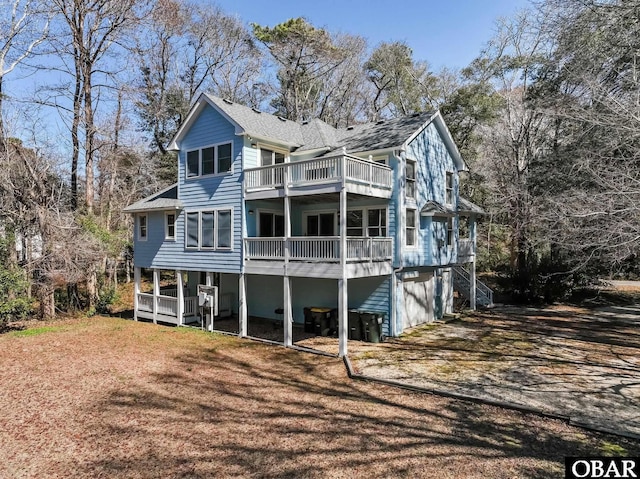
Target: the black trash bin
(371, 326)
(308, 321)
(321, 321)
(355, 325)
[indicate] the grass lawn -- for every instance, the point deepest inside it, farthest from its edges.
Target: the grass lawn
(106, 397)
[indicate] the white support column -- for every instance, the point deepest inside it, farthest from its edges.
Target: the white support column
(156, 293)
(472, 285)
(242, 305)
(343, 297)
(180, 297)
(287, 318)
(136, 291)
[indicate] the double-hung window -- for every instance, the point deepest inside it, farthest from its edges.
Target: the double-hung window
(142, 227)
(211, 160)
(410, 227)
(209, 230)
(410, 176)
(170, 226)
(450, 232)
(449, 190)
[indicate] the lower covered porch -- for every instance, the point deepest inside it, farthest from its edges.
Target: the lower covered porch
(305, 312)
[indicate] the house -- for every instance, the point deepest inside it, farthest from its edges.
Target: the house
(285, 216)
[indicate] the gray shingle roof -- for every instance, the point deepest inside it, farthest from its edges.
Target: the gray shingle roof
(383, 134)
(466, 206)
(166, 199)
(260, 124)
(433, 208)
(316, 134)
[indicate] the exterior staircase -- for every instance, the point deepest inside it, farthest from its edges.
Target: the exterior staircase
(462, 282)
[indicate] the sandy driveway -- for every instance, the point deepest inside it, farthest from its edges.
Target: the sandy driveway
(579, 363)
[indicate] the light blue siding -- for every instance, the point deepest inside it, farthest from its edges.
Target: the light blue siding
(214, 191)
(433, 162)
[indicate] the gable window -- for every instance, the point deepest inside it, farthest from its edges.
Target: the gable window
(449, 196)
(211, 160)
(410, 175)
(170, 226)
(410, 228)
(142, 227)
(211, 229)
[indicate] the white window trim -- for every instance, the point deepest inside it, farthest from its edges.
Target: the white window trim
(413, 180)
(215, 229)
(146, 224)
(265, 210)
(336, 221)
(166, 225)
(416, 228)
(275, 149)
(365, 219)
(446, 188)
(215, 161)
(451, 221)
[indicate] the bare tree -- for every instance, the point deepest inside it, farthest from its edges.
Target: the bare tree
(24, 24)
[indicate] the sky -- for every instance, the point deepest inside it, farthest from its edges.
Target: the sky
(445, 33)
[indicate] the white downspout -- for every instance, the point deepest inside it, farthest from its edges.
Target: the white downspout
(400, 222)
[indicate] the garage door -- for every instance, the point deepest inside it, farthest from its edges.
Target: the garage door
(418, 300)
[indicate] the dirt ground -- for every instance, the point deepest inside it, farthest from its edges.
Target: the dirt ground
(107, 397)
(567, 361)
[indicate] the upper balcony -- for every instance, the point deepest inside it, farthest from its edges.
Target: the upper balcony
(319, 175)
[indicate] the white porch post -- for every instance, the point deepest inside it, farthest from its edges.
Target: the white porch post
(472, 285)
(136, 291)
(156, 293)
(472, 273)
(287, 316)
(242, 305)
(343, 297)
(180, 297)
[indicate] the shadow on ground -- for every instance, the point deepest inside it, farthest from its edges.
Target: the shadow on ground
(583, 364)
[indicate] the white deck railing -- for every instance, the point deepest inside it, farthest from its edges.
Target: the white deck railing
(319, 170)
(145, 302)
(166, 304)
(323, 249)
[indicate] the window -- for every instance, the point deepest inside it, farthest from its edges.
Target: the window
(216, 159)
(270, 157)
(170, 226)
(271, 224)
(410, 174)
(450, 231)
(370, 222)
(142, 227)
(382, 160)
(354, 223)
(449, 197)
(320, 224)
(192, 229)
(224, 229)
(377, 222)
(210, 229)
(410, 235)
